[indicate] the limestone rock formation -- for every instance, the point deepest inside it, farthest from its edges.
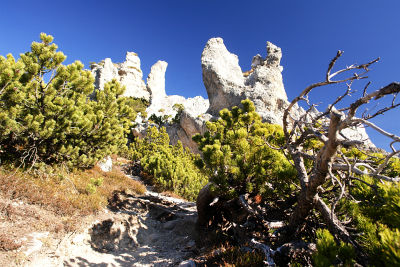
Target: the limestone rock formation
(265, 86)
(227, 86)
(156, 82)
(222, 76)
(161, 104)
(127, 73)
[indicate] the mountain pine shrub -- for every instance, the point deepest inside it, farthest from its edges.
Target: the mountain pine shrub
(329, 253)
(237, 155)
(171, 166)
(46, 115)
(373, 211)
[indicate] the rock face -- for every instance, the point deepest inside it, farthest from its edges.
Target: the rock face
(127, 73)
(188, 126)
(222, 76)
(265, 86)
(156, 82)
(227, 85)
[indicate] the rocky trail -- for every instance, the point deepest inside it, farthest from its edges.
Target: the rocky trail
(147, 230)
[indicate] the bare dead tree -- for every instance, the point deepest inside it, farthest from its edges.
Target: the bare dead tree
(328, 164)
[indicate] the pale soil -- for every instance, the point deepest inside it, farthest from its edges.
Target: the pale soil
(163, 229)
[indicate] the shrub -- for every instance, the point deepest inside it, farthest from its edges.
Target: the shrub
(239, 158)
(46, 114)
(171, 166)
(329, 253)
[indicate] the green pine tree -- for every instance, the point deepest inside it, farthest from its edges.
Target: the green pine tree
(46, 114)
(239, 158)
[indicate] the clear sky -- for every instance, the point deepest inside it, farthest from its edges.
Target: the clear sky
(309, 33)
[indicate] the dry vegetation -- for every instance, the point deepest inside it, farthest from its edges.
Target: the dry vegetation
(54, 200)
(229, 256)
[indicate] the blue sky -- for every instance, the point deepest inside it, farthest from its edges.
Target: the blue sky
(309, 33)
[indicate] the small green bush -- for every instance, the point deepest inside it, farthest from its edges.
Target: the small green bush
(171, 166)
(239, 158)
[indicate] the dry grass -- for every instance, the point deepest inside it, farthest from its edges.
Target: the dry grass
(76, 193)
(7, 243)
(54, 200)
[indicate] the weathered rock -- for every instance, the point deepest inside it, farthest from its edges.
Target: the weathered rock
(127, 73)
(187, 263)
(226, 86)
(104, 73)
(358, 133)
(106, 164)
(156, 82)
(222, 76)
(188, 126)
(163, 105)
(192, 119)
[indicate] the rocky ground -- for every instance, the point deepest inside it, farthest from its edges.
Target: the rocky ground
(148, 230)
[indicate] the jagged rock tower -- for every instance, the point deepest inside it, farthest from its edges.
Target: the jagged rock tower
(226, 87)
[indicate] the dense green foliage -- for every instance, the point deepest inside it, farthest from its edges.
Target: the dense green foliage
(47, 116)
(373, 210)
(330, 253)
(237, 155)
(239, 158)
(171, 166)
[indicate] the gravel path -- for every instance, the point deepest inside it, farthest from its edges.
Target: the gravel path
(150, 230)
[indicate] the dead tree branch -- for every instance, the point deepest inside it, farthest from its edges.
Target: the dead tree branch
(327, 127)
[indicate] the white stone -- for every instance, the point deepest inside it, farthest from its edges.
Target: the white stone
(226, 86)
(127, 73)
(187, 263)
(156, 82)
(106, 164)
(222, 76)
